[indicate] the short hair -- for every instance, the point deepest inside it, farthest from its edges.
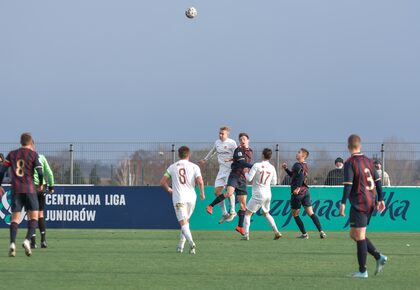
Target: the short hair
(267, 153)
(304, 150)
(225, 128)
(26, 139)
(354, 141)
(242, 135)
(183, 152)
(1, 157)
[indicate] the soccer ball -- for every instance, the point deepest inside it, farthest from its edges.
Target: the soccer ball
(191, 12)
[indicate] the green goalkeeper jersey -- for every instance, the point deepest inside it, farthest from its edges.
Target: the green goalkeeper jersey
(48, 174)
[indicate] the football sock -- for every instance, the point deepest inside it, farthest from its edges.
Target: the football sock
(272, 223)
(372, 250)
(223, 207)
(232, 203)
(181, 241)
(33, 239)
(315, 219)
(241, 215)
(300, 224)
(362, 255)
(41, 225)
(247, 222)
(13, 232)
(187, 233)
(32, 225)
(218, 199)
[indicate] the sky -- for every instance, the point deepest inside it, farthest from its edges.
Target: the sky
(129, 70)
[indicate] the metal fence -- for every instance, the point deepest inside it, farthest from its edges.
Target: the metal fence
(143, 163)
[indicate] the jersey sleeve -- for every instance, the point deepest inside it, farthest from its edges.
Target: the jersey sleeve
(348, 173)
(36, 162)
(168, 172)
(48, 172)
(197, 172)
(250, 175)
(211, 153)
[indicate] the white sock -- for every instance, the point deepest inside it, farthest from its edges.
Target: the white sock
(181, 241)
(247, 222)
(187, 233)
(272, 223)
(223, 207)
(232, 203)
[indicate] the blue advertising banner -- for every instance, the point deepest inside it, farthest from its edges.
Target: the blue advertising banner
(103, 207)
(150, 207)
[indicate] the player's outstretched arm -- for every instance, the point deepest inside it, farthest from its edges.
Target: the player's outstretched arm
(209, 155)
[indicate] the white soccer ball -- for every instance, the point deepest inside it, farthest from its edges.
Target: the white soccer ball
(191, 12)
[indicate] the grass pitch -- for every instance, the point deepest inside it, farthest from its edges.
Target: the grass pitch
(147, 259)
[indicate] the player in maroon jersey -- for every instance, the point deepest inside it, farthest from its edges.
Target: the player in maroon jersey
(23, 163)
(300, 193)
(363, 187)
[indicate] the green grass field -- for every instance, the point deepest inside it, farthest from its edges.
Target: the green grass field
(146, 259)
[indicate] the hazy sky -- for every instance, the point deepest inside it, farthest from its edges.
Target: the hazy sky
(130, 70)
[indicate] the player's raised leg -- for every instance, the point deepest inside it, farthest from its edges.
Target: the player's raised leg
(220, 198)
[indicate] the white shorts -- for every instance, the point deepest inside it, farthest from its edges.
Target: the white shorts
(254, 205)
(184, 210)
(222, 178)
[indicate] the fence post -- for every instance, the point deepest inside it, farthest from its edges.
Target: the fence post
(173, 153)
(71, 164)
(383, 161)
(129, 172)
(278, 163)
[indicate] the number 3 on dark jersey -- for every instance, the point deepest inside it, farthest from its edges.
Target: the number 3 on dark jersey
(369, 178)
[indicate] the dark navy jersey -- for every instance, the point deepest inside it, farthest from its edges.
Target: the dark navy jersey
(360, 173)
(299, 177)
(23, 162)
(242, 158)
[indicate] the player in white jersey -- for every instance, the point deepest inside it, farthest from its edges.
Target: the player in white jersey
(264, 175)
(224, 148)
(184, 175)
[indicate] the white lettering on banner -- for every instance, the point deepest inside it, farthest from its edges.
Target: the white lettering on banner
(73, 199)
(114, 199)
(71, 215)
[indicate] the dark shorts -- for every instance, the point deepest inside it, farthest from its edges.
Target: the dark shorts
(238, 183)
(41, 201)
(296, 201)
(29, 201)
(359, 219)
